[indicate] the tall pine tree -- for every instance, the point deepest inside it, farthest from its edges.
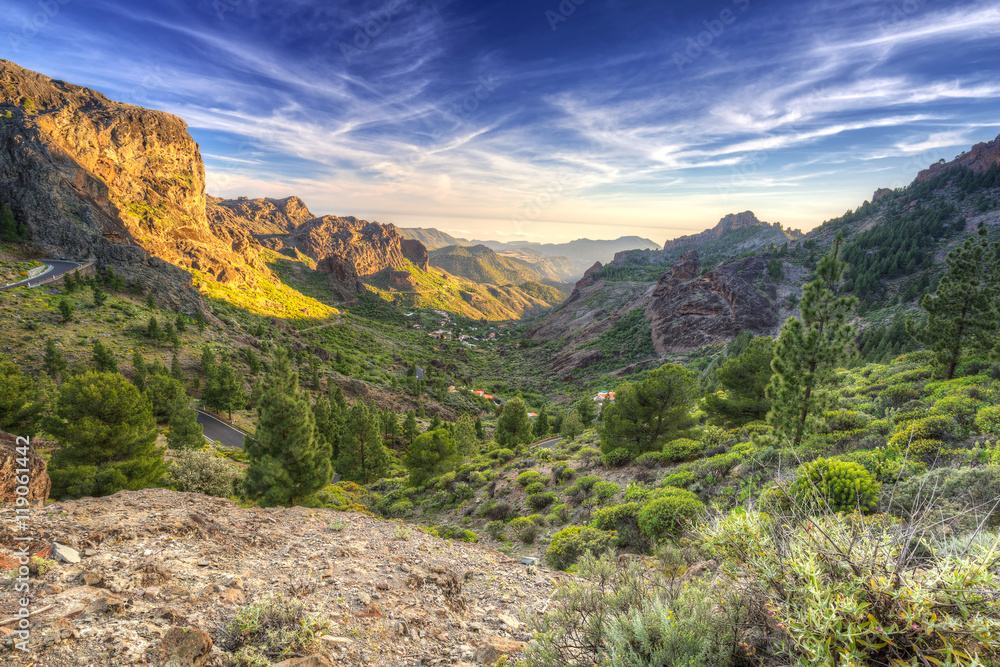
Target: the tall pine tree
(362, 456)
(963, 315)
(185, 431)
(54, 362)
(288, 462)
(809, 351)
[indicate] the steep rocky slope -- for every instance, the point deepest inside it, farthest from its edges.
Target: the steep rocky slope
(431, 238)
(689, 310)
(162, 573)
(257, 216)
(92, 177)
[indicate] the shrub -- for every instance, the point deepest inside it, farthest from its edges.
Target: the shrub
(498, 511)
(960, 408)
(534, 487)
(203, 472)
(589, 455)
(897, 396)
(623, 519)
(967, 493)
(841, 485)
(637, 493)
(272, 628)
(541, 500)
(502, 455)
(849, 596)
(616, 458)
(681, 449)
(528, 477)
(587, 482)
(561, 512)
(567, 473)
(624, 614)
(681, 480)
(668, 514)
(524, 529)
(716, 436)
(935, 427)
(886, 465)
(650, 460)
(497, 530)
(606, 490)
(399, 509)
(537, 519)
(569, 544)
(988, 420)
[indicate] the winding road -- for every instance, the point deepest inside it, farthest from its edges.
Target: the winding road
(57, 267)
(220, 431)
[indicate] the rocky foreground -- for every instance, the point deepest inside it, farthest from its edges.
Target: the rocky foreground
(161, 573)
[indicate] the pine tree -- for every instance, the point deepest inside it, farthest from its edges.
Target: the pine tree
(53, 362)
(513, 427)
(329, 424)
(103, 359)
(69, 283)
(585, 408)
(207, 362)
(225, 390)
(962, 314)
(139, 371)
(181, 325)
(66, 310)
(200, 320)
(390, 428)
(431, 454)
(571, 425)
(185, 431)
(106, 435)
(100, 296)
(542, 424)
(170, 335)
(410, 428)
(153, 331)
(646, 414)
(745, 381)
(465, 436)
(480, 429)
(176, 371)
(163, 393)
(362, 457)
(288, 463)
(809, 351)
(150, 301)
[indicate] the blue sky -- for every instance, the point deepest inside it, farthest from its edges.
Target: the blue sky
(542, 119)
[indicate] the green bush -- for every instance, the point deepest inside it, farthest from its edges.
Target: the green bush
(616, 458)
(960, 408)
(681, 480)
(569, 544)
(567, 473)
(540, 501)
(623, 519)
(561, 512)
(897, 396)
(606, 490)
(953, 491)
(637, 493)
(988, 420)
(534, 487)
(669, 514)
(841, 485)
(681, 449)
(587, 482)
(497, 530)
(273, 628)
(650, 460)
(523, 529)
(848, 596)
(203, 472)
(886, 465)
(934, 427)
(399, 509)
(502, 455)
(528, 477)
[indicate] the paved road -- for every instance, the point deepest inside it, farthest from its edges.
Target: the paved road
(57, 267)
(220, 431)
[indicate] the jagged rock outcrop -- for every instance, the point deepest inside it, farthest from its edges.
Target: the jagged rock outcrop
(688, 311)
(11, 461)
(415, 251)
(729, 223)
(257, 216)
(979, 159)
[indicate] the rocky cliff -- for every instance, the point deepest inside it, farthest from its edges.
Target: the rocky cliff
(979, 159)
(257, 216)
(126, 185)
(92, 177)
(689, 310)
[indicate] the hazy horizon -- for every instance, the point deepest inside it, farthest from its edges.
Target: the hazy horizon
(545, 122)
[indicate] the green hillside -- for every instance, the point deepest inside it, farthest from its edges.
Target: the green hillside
(482, 265)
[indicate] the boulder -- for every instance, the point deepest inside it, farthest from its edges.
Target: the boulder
(38, 484)
(182, 647)
(493, 648)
